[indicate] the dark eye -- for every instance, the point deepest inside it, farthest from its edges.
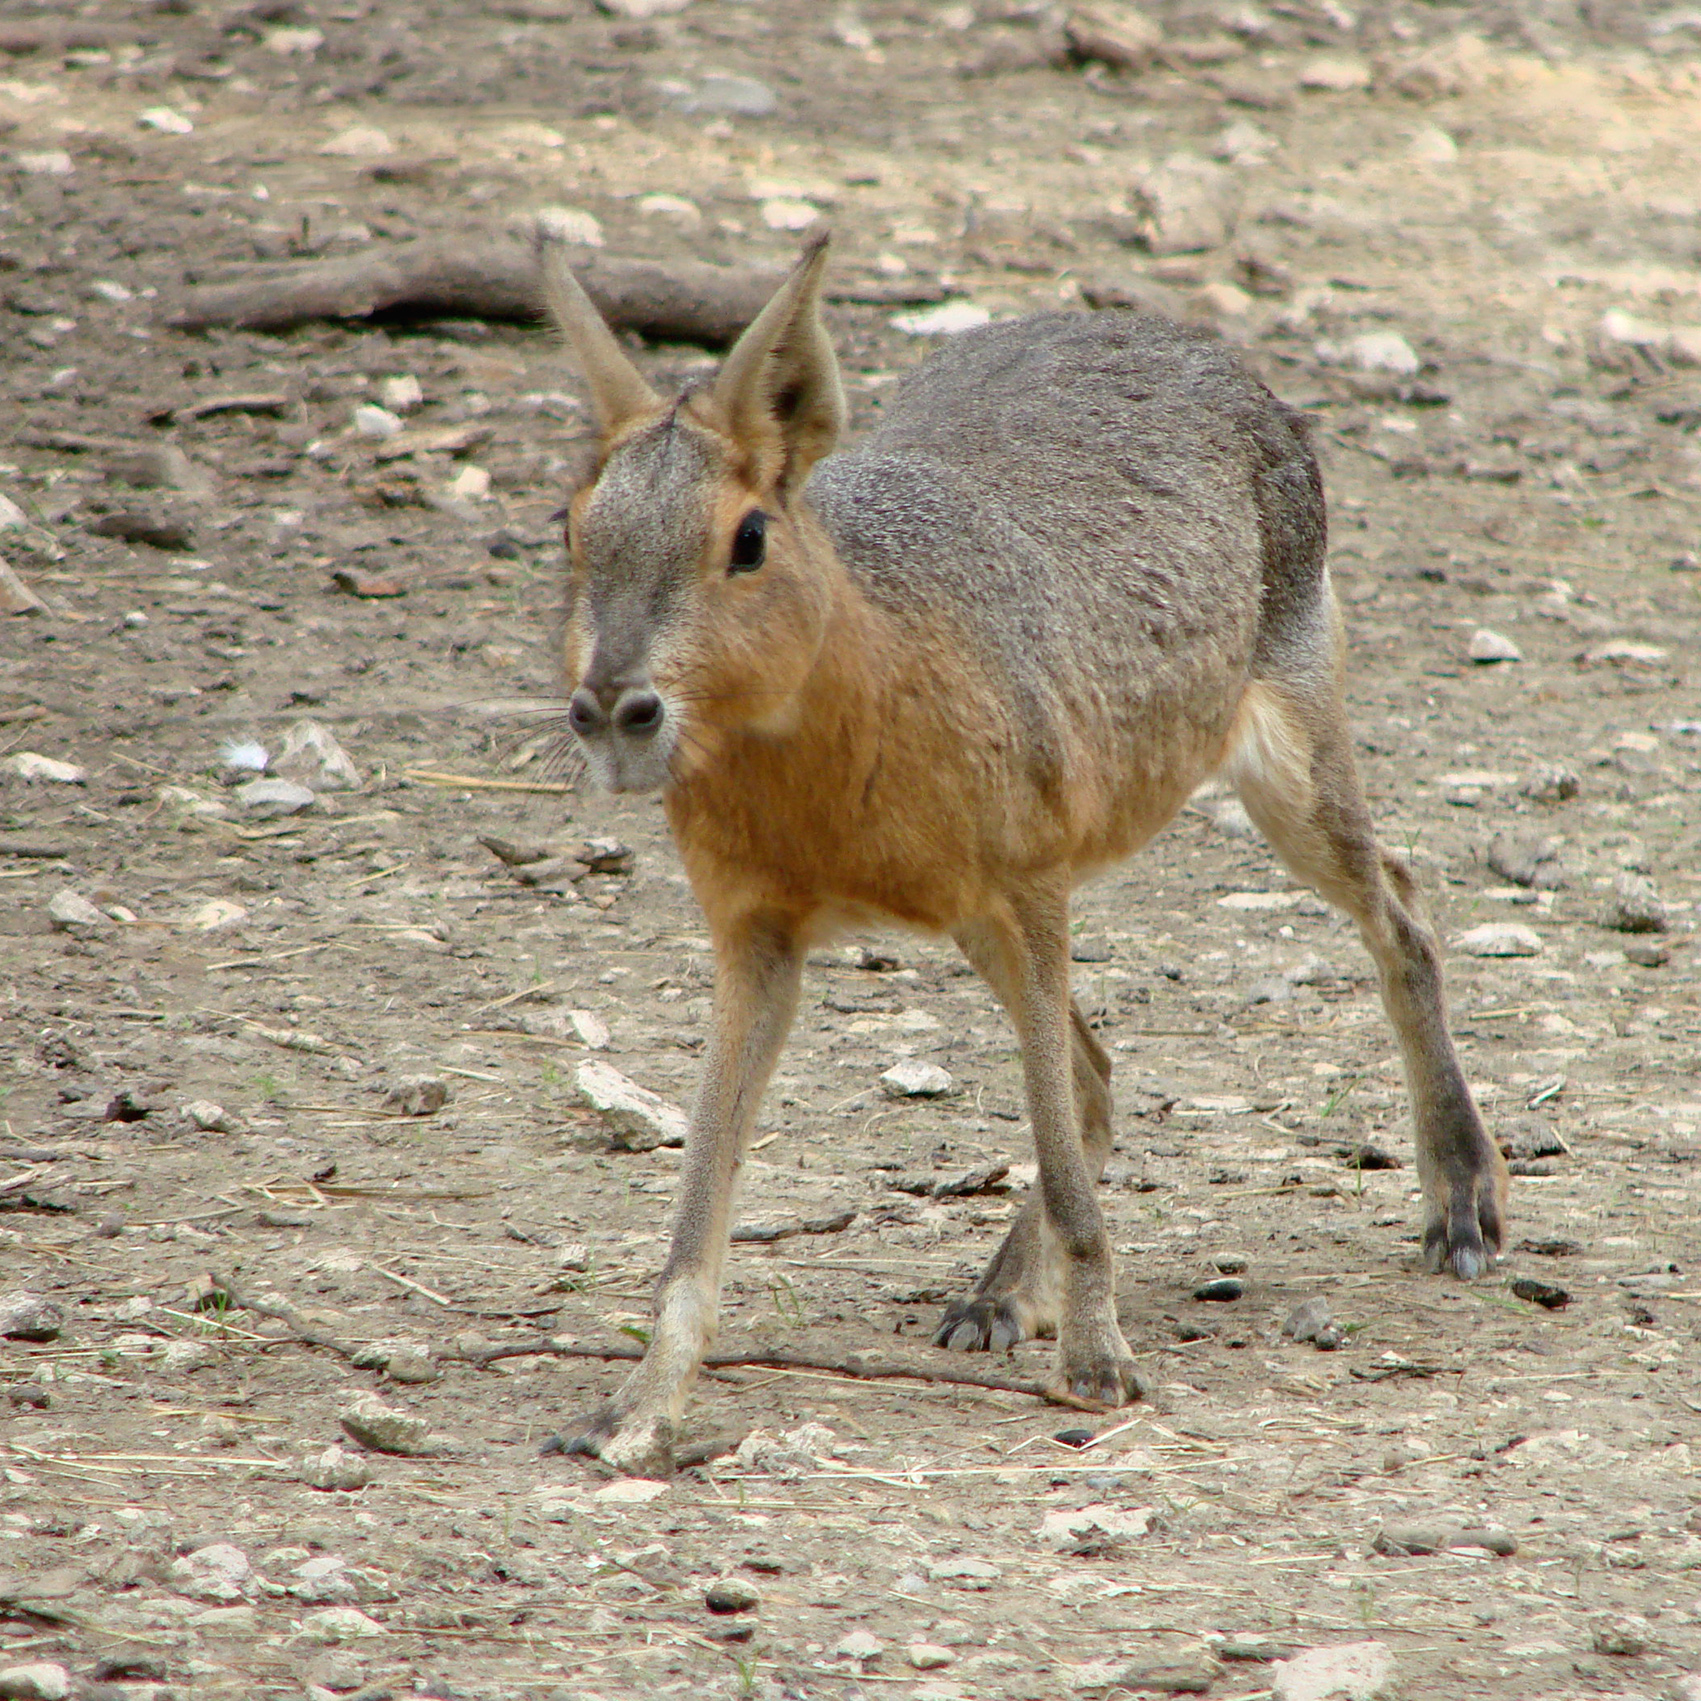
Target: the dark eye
(749, 543)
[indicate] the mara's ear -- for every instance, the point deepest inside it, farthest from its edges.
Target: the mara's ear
(779, 388)
(618, 390)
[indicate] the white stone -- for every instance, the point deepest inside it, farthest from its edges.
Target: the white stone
(401, 392)
(1431, 145)
(55, 162)
(1255, 902)
(284, 41)
(216, 913)
(630, 1491)
(1618, 326)
(676, 208)
(312, 756)
(789, 215)
(928, 1656)
(70, 912)
(386, 1428)
(217, 1572)
(359, 141)
(946, 320)
(570, 224)
(915, 1080)
(273, 797)
(638, 1119)
(642, 8)
(1499, 939)
(590, 1028)
(39, 1681)
(1487, 646)
(370, 420)
(190, 802)
(858, 1645)
(1624, 650)
(322, 1579)
(1382, 351)
(1336, 73)
(187, 1356)
(470, 484)
(209, 1117)
(12, 517)
(335, 1468)
(1355, 1671)
(340, 1624)
(30, 766)
(167, 120)
(246, 754)
(1063, 1528)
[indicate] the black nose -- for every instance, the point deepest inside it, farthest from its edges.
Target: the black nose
(585, 715)
(638, 713)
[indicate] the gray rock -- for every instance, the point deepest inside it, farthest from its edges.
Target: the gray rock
(1310, 971)
(417, 1095)
(384, 1428)
(1277, 989)
(269, 797)
(1499, 939)
(218, 1572)
(858, 1645)
(637, 1119)
(312, 756)
(965, 1572)
(730, 1595)
(914, 1080)
(26, 1316)
(70, 912)
(40, 1681)
(1487, 647)
(720, 93)
(1634, 907)
(1550, 782)
(208, 1117)
(1354, 1671)
(1647, 953)
(928, 1656)
(340, 1624)
(335, 1469)
(1187, 205)
(1306, 1319)
(412, 1364)
(1527, 861)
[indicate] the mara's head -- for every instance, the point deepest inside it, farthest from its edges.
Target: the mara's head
(697, 599)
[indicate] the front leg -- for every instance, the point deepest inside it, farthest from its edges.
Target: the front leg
(1055, 1270)
(758, 966)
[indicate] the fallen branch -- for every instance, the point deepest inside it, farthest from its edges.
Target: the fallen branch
(470, 278)
(860, 1367)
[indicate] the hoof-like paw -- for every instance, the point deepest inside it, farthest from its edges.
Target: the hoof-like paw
(1102, 1385)
(1466, 1241)
(979, 1325)
(641, 1447)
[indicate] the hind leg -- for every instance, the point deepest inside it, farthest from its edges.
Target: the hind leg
(1019, 1296)
(1291, 762)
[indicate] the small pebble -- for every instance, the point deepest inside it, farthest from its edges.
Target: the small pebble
(1073, 1437)
(70, 912)
(1500, 939)
(1220, 1291)
(384, 1428)
(915, 1081)
(370, 420)
(1487, 647)
(1544, 1294)
(1550, 782)
(27, 1316)
(1230, 1263)
(1647, 953)
(1635, 907)
(417, 1095)
(209, 1117)
(731, 1594)
(40, 1681)
(858, 1645)
(928, 1656)
(1306, 1319)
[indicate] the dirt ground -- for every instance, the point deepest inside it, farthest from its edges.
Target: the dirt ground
(1508, 190)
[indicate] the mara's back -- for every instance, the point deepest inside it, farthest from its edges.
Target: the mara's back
(1087, 494)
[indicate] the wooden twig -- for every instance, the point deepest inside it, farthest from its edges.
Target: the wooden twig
(860, 1367)
(473, 278)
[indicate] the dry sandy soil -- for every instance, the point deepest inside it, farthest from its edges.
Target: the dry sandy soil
(1512, 190)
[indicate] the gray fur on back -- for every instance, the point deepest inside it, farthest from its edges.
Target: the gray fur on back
(1078, 488)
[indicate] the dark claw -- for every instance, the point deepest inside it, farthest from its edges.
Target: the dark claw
(978, 1325)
